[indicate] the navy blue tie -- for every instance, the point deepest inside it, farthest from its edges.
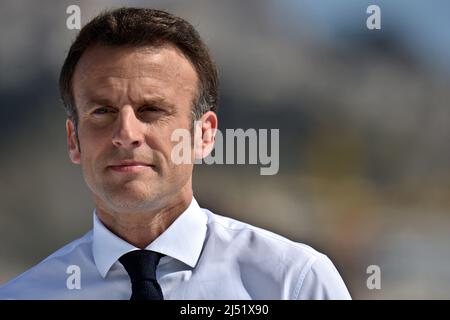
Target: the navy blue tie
(141, 267)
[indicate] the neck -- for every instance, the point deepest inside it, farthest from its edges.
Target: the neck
(140, 229)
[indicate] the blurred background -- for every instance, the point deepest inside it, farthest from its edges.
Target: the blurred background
(364, 123)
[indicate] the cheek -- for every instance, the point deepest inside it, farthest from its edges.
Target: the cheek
(178, 175)
(91, 151)
(160, 140)
(88, 163)
(183, 127)
(182, 149)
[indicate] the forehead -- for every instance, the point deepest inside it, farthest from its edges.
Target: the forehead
(117, 72)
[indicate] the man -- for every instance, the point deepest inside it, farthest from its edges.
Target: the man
(131, 78)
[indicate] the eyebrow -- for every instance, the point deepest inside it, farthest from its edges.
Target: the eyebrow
(146, 100)
(156, 99)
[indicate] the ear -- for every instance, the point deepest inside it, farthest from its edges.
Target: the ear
(205, 132)
(72, 144)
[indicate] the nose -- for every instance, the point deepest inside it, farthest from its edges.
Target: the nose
(129, 131)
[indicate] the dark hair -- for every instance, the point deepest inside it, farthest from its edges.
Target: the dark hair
(141, 27)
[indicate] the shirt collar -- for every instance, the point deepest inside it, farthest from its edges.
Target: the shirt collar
(182, 240)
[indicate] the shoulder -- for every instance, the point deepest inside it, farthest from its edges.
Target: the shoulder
(301, 271)
(233, 232)
(49, 273)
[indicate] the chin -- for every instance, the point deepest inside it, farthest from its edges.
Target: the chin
(126, 206)
(134, 201)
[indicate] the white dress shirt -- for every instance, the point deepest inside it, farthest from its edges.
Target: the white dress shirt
(207, 256)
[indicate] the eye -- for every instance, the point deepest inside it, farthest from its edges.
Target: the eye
(101, 110)
(149, 109)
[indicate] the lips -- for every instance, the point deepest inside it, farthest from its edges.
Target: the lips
(130, 166)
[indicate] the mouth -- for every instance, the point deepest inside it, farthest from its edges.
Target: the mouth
(130, 166)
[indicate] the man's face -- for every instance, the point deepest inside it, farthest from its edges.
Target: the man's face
(129, 101)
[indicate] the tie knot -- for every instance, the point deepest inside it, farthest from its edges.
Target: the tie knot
(141, 264)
